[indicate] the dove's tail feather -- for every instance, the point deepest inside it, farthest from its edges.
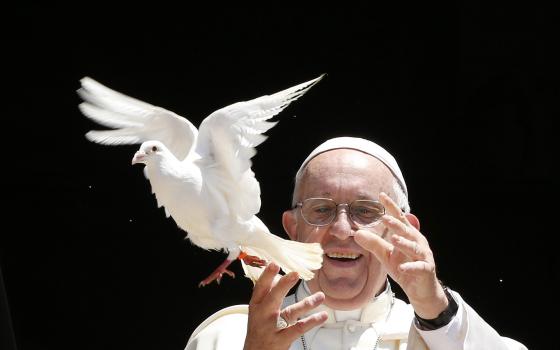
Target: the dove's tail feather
(303, 258)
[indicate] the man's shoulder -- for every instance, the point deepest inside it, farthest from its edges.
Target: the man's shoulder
(224, 326)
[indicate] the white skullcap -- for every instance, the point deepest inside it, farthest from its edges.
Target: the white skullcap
(359, 144)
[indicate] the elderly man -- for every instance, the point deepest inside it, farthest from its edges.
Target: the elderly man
(351, 197)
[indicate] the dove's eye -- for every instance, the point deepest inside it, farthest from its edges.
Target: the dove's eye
(154, 149)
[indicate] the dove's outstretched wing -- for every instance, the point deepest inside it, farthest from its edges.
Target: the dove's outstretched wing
(227, 141)
(135, 121)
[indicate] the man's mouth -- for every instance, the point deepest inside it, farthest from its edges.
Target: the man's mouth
(343, 256)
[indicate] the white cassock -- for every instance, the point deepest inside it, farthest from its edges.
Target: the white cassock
(386, 321)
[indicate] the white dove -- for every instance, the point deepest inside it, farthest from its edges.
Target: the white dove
(203, 178)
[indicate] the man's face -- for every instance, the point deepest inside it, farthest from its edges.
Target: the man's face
(350, 275)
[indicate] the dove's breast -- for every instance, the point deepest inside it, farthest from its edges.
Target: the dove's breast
(181, 193)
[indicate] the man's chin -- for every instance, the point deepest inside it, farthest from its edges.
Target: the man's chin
(344, 292)
(342, 288)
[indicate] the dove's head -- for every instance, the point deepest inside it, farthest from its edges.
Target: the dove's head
(148, 152)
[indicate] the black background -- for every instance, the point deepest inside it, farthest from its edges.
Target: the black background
(463, 94)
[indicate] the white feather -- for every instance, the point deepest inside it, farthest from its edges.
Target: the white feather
(136, 121)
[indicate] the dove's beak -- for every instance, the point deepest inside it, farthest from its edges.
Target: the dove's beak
(139, 157)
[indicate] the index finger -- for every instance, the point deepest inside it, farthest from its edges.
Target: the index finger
(392, 208)
(281, 289)
(375, 244)
(264, 283)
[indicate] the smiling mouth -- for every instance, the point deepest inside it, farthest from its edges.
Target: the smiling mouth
(343, 256)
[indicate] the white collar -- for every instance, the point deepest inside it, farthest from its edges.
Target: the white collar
(372, 312)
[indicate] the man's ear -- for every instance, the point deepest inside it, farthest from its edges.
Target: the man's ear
(413, 220)
(290, 223)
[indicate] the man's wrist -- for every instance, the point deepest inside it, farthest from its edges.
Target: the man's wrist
(431, 304)
(442, 319)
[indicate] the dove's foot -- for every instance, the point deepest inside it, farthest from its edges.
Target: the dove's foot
(217, 274)
(252, 260)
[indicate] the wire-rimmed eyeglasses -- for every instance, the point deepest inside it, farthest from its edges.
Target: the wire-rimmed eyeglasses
(322, 211)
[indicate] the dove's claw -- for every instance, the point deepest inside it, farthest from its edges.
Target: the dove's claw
(254, 261)
(217, 274)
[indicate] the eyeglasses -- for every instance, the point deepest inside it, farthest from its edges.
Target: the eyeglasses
(322, 211)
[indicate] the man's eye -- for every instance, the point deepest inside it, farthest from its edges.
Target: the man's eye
(322, 210)
(365, 211)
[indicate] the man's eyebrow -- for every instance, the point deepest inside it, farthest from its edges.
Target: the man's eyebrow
(362, 195)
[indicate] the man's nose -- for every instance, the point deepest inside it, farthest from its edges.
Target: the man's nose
(342, 226)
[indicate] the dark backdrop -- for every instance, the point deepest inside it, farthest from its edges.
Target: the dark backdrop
(463, 94)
